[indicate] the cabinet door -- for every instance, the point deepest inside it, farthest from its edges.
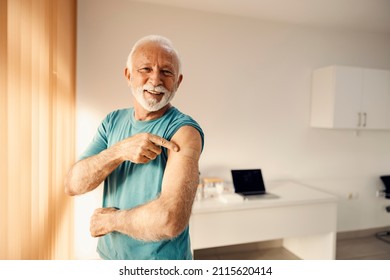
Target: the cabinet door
(348, 96)
(376, 99)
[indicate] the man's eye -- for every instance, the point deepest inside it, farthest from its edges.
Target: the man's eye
(145, 70)
(167, 73)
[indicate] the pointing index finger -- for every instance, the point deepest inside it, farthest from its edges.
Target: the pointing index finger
(163, 142)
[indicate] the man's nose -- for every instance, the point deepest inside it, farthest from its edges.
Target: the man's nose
(155, 78)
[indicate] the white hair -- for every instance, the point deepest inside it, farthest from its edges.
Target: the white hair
(162, 41)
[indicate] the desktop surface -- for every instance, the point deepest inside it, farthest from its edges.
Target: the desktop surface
(287, 192)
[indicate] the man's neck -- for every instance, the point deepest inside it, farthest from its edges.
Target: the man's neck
(141, 114)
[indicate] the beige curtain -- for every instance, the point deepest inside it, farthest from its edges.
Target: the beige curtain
(37, 115)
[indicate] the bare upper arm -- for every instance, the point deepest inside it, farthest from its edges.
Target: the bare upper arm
(183, 163)
(189, 141)
(181, 175)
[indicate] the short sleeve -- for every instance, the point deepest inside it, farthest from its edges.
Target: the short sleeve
(99, 141)
(183, 120)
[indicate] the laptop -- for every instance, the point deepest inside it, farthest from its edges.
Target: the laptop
(249, 183)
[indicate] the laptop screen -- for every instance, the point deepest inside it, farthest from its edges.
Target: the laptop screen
(248, 181)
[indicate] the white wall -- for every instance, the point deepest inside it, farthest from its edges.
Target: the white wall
(247, 82)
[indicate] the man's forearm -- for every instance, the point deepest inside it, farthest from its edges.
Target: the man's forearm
(153, 221)
(150, 222)
(88, 173)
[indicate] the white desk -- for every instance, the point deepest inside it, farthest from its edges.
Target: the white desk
(305, 218)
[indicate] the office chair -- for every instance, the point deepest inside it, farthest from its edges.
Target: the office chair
(385, 235)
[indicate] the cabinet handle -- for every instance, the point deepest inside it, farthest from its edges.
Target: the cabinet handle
(364, 119)
(359, 119)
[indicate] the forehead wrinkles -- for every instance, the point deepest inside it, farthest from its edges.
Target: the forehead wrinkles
(155, 53)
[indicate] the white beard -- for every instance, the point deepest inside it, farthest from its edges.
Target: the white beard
(151, 104)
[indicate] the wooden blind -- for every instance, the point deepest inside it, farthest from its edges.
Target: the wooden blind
(37, 85)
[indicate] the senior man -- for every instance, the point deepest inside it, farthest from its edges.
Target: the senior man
(147, 156)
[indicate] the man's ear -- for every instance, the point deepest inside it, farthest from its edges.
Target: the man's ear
(127, 75)
(179, 80)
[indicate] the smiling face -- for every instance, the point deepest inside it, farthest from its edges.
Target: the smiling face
(154, 76)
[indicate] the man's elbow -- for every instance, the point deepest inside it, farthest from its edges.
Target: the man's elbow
(69, 185)
(174, 227)
(68, 189)
(173, 232)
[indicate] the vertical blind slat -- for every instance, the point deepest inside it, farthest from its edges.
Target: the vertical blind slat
(3, 127)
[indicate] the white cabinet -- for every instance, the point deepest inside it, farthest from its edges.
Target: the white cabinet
(351, 98)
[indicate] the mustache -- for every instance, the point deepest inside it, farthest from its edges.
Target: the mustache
(160, 89)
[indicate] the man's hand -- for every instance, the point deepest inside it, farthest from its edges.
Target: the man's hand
(143, 147)
(87, 174)
(102, 221)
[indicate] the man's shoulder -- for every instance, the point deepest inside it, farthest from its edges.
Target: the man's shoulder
(177, 115)
(115, 120)
(119, 113)
(117, 116)
(186, 125)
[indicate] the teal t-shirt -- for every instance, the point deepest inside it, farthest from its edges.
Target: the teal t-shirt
(130, 184)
